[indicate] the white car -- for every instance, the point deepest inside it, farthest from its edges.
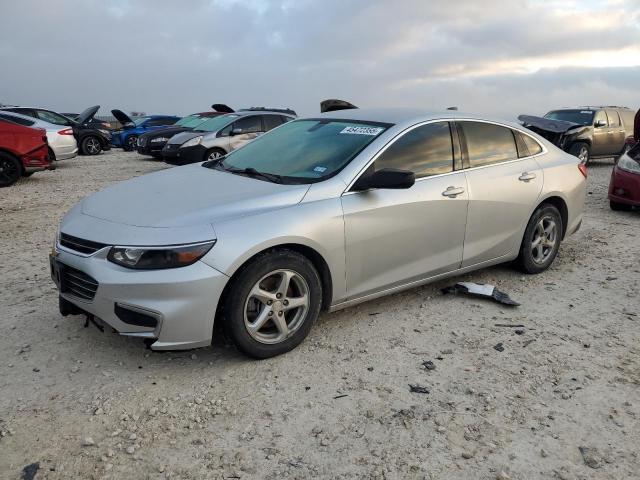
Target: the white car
(62, 142)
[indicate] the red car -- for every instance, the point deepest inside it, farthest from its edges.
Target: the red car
(23, 150)
(624, 188)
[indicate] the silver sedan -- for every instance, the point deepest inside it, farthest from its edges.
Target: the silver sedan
(62, 143)
(319, 214)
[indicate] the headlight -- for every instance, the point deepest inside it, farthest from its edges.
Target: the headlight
(159, 139)
(193, 142)
(153, 258)
(628, 164)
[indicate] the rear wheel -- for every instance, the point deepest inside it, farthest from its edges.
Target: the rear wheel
(619, 207)
(90, 146)
(130, 143)
(541, 240)
(213, 154)
(10, 170)
(581, 150)
(272, 304)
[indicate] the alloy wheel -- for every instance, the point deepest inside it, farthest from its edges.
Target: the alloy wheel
(93, 146)
(213, 155)
(583, 156)
(544, 240)
(8, 171)
(132, 142)
(276, 306)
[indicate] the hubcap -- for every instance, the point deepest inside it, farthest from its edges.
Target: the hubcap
(583, 155)
(214, 155)
(544, 239)
(133, 141)
(8, 171)
(276, 306)
(93, 146)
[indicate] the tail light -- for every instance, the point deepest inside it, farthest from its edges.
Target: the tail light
(66, 131)
(583, 169)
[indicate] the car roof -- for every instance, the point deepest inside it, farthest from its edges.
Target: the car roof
(592, 107)
(244, 113)
(37, 122)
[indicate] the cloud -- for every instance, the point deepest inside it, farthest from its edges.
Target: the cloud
(500, 57)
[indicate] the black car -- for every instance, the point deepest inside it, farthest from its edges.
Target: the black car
(91, 140)
(94, 122)
(152, 143)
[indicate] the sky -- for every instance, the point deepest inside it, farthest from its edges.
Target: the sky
(495, 57)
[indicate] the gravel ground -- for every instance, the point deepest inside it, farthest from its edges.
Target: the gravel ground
(560, 401)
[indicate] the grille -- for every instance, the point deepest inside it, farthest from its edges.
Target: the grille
(77, 283)
(80, 245)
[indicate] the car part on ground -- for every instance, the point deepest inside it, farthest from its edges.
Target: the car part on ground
(81, 126)
(23, 151)
(481, 290)
(585, 132)
(218, 136)
(333, 105)
(624, 187)
(126, 137)
(61, 141)
(320, 213)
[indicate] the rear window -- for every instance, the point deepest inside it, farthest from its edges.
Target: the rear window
(18, 120)
(581, 117)
(488, 143)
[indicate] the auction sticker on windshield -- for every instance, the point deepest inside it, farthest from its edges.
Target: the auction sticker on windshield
(373, 131)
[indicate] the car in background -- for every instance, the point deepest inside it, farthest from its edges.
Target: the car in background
(586, 132)
(152, 143)
(94, 122)
(218, 136)
(126, 137)
(23, 151)
(319, 214)
(62, 143)
(624, 187)
(91, 141)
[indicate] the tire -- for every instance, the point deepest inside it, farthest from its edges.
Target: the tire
(52, 155)
(90, 145)
(544, 229)
(10, 170)
(582, 151)
(619, 207)
(27, 174)
(213, 153)
(242, 308)
(130, 143)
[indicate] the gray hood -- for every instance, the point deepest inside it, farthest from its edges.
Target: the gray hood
(188, 196)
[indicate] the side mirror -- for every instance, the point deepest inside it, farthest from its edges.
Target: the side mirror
(386, 178)
(600, 123)
(235, 131)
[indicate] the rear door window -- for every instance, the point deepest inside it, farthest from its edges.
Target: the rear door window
(426, 150)
(252, 124)
(271, 122)
(614, 119)
(488, 143)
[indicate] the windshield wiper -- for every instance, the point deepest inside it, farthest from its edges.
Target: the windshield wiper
(252, 172)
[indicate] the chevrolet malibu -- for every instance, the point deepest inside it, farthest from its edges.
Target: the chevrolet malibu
(318, 214)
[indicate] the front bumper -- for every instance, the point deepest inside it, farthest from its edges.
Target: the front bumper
(624, 187)
(151, 148)
(175, 155)
(182, 301)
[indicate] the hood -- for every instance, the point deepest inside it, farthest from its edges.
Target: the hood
(180, 138)
(188, 196)
(165, 132)
(222, 108)
(87, 115)
(122, 117)
(548, 124)
(331, 105)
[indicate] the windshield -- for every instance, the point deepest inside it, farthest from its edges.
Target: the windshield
(582, 117)
(139, 121)
(188, 121)
(216, 123)
(305, 151)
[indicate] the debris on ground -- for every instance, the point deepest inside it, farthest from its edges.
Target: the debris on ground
(29, 472)
(429, 365)
(499, 347)
(481, 290)
(591, 457)
(415, 388)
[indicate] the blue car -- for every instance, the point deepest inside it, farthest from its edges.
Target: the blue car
(127, 136)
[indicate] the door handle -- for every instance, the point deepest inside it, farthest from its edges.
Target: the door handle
(526, 176)
(453, 192)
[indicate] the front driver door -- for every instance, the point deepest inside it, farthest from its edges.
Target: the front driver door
(394, 237)
(244, 130)
(601, 134)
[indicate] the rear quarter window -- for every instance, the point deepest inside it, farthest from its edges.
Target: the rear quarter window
(488, 143)
(533, 146)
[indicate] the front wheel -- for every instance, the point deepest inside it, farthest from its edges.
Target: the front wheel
(131, 143)
(213, 154)
(541, 240)
(90, 146)
(582, 151)
(10, 170)
(272, 303)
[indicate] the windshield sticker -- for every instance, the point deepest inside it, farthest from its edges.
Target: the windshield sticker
(585, 111)
(320, 169)
(372, 131)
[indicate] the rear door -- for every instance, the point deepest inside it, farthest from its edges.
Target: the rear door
(244, 130)
(504, 183)
(616, 132)
(602, 140)
(394, 237)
